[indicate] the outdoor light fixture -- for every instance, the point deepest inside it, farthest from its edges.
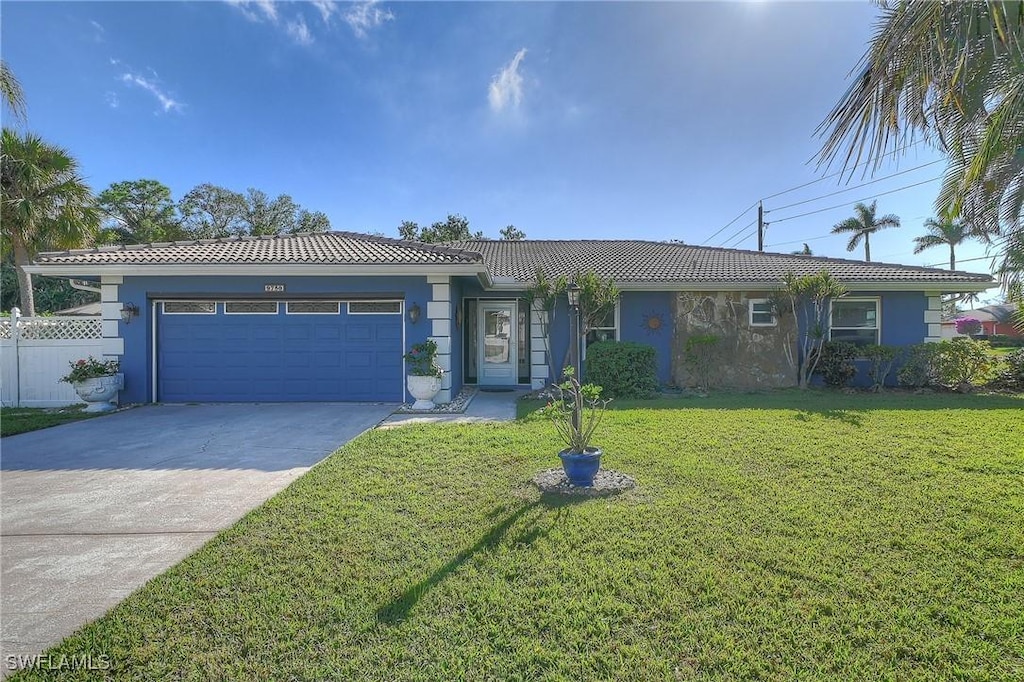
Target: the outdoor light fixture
(128, 311)
(414, 313)
(574, 294)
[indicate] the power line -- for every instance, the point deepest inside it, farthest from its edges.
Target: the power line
(856, 201)
(843, 172)
(850, 189)
(742, 229)
(722, 229)
(743, 236)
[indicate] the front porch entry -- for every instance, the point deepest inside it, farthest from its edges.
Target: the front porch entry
(496, 339)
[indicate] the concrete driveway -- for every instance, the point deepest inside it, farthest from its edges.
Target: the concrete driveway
(90, 511)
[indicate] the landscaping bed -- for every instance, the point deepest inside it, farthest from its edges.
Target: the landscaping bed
(813, 535)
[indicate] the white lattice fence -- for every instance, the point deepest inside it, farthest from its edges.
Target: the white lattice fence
(36, 351)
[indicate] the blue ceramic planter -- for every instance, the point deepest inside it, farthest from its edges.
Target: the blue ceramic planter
(581, 467)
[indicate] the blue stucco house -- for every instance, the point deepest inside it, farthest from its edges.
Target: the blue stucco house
(327, 317)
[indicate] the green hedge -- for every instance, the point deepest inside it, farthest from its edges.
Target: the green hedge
(623, 369)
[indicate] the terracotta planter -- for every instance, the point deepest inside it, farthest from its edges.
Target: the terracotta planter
(423, 389)
(99, 392)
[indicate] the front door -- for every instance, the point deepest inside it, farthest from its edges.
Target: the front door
(498, 347)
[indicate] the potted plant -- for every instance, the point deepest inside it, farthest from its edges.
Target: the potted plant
(96, 382)
(576, 412)
(423, 374)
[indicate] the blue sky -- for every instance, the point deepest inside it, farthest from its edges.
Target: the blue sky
(584, 120)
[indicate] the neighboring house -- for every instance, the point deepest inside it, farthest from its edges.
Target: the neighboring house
(995, 319)
(327, 317)
(84, 310)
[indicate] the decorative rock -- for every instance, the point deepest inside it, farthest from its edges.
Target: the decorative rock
(607, 482)
(457, 406)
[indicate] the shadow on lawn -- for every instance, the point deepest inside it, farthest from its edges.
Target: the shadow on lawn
(851, 417)
(398, 609)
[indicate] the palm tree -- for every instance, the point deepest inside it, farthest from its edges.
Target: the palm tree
(864, 224)
(951, 73)
(11, 92)
(946, 231)
(806, 251)
(44, 204)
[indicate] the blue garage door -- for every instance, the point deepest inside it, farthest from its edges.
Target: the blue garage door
(279, 351)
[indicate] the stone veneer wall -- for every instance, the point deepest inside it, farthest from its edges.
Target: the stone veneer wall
(749, 357)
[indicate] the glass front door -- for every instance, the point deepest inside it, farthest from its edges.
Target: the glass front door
(498, 358)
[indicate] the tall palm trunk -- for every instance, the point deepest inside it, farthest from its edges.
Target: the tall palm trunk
(867, 247)
(952, 257)
(21, 259)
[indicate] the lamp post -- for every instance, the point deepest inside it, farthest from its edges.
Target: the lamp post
(574, 327)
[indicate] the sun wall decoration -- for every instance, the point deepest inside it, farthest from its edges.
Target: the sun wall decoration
(653, 322)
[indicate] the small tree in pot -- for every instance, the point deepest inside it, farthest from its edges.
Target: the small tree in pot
(576, 412)
(423, 374)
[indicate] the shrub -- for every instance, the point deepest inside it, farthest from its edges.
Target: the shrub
(623, 369)
(1011, 371)
(700, 355)
(1005, 341)
(881, 360)
(961, 363)
(968, 325)
(90, 368)
(421, 360)
(836, 363)
(918, 371)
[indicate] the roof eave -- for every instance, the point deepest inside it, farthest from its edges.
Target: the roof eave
(957, 286)
(266, 269)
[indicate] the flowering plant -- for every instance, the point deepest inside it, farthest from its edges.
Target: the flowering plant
(421, 359)
(90, 368)
(968, 325)
(575, 411)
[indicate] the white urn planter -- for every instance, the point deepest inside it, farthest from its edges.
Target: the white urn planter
(99, 392)
(423, 389)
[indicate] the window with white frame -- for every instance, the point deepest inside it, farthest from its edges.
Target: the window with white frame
(607, 329)
(856, 321)
(762, 313)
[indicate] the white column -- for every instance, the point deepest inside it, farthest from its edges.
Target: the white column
(113, 344)
(538, 345)
(439, 315)
(933, 318)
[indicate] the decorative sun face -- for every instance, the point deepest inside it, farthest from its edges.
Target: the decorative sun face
(652, 322)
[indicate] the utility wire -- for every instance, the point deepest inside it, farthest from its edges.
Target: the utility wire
(737, 232)
(727, 225)
(850, 189)
(843, 172)
(742, 237)
(856, 201)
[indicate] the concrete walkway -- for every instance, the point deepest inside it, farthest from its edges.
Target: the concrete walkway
(90, 511)
(484, 407)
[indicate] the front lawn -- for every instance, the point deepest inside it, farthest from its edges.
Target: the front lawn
(779, 536)
(15, 420)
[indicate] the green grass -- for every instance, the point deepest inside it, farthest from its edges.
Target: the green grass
(778, 536)
(14, 420)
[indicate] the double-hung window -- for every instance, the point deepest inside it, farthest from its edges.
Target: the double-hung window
(762, 313)
(856, 321)
(607, 329)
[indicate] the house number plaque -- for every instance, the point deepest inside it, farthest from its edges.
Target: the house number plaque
(273, 288)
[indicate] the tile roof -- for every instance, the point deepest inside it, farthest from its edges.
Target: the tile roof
(672, 262)
(325, 248)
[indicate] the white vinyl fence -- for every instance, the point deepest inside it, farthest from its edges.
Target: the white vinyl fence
(36, 351)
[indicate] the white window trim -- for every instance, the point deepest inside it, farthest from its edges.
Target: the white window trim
(396, 312)
(750, 314)
(277, 308)
(877, 300)
(618, 329)
(289, 311)
(164, 311)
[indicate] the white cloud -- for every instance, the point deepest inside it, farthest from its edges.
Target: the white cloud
(98, 31)
(363, 17)
(256, 10)
(299, 32)
(327, 9)
(113, 101)
(506, 87)
(149, 85)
